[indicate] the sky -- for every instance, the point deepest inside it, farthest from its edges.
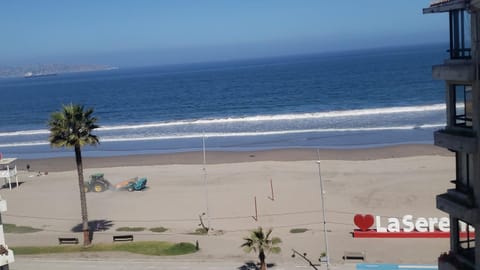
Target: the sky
(158, 32)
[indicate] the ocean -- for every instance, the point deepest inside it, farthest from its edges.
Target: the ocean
(348, 99)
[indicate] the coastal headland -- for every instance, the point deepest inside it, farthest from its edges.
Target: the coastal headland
(389, 181)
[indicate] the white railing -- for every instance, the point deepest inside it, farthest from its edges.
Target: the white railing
(8, 173)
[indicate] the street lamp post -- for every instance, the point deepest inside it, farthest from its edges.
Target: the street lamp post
(323, 209)
(205, 182)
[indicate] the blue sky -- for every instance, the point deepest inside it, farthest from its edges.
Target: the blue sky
(156, 32)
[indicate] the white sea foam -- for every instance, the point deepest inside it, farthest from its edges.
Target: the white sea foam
(238, 134)
(24, 133)
(19, 144)
(258, 118)
(284, 117)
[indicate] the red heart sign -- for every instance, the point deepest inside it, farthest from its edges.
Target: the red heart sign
(363, 222)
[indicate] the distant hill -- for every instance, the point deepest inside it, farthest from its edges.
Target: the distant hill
(11, 72)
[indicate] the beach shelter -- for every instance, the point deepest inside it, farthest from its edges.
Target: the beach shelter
(8, 170)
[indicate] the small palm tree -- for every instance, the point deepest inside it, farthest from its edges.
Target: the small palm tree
(72, 127)
(260, 242)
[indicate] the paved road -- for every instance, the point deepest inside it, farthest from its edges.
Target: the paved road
(26, 263)
(114, 264)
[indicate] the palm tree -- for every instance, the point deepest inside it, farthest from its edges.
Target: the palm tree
(72, 127)
(259, 242)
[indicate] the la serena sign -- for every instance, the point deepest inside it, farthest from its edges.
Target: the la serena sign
(409, 224)
(405, 227)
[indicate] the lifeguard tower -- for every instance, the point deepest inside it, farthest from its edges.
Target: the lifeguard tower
(8, 170)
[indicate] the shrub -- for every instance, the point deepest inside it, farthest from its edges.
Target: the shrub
(298, 230)
(130, 229)
(158, 229)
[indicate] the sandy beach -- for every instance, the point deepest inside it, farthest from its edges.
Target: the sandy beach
(389, 182)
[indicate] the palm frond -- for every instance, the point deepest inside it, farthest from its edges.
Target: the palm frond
(275, 250)
(260, 241)
(276, 240)
(268, 233)
(72, 126)
(248, 242)
(247, 249)
(258, 234)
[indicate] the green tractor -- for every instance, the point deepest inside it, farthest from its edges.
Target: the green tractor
(96, 183)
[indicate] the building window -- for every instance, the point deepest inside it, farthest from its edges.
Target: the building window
(466, 243)
(464, 175)
(460, 42)
(463, 105)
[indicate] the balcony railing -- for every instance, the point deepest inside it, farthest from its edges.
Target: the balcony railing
(465, 53)
(8, 173)
(464, 189)
(459, 205)
(463, 120)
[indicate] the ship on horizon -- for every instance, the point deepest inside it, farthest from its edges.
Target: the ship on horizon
(34, 75)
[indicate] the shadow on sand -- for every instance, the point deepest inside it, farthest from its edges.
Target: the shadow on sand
(14, 185)
(94, 226)
(250, 265)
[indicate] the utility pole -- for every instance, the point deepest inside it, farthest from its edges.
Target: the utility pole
(323, 209)
(205, 182)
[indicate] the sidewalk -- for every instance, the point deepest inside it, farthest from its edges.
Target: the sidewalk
(51, 263)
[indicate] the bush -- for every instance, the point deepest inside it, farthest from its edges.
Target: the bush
(155, 248)
(298, 230)
(158, 229)
(130, 229)
(181, 248)
(12, 228)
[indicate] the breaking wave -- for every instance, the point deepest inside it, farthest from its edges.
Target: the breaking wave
(261, 119)
(127, 138)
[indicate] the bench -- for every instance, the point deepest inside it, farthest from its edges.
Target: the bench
(354, 255)
(127, 237)
(67, 240)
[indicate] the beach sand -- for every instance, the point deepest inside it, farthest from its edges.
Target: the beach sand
(390, 182)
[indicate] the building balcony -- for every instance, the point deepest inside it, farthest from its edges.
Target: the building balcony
(459, 205)
(445, 6)
(454, 70)
(453, 261)
(457, 140)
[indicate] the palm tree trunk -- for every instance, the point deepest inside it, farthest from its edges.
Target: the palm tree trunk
(83, 199)
(261, 256)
